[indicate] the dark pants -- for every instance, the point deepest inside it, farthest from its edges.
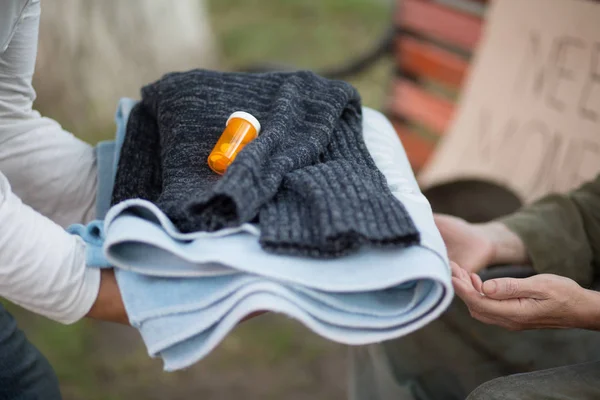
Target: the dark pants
(25, 374)
(581, 382)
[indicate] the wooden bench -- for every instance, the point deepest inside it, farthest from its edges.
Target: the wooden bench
(432, 49)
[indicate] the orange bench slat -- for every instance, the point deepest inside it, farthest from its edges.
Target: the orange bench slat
(418, 148)
(429, 61)
(417, 105)
(440, 22)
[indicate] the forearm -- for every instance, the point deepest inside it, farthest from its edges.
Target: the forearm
(52, 172)
(508, 247)
(42, 267)
(590, 311)
(550, 236)
(562, 233)
(109, 303)
(559, 234)
(49, 169)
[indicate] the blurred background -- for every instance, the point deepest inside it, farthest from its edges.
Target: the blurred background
(94, 52)
(91, 53)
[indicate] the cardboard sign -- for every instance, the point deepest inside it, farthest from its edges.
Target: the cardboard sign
(529, 117)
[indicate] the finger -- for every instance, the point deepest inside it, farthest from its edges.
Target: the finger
(464, 290)
(477, 284)
(497, 310)
(455, 269)
(512, 288)
(459, 272)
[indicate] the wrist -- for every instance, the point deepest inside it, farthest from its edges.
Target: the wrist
(507, 246)
(588, 316)
(109, 303)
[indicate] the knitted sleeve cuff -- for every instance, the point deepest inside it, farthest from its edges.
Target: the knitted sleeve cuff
(339, 207)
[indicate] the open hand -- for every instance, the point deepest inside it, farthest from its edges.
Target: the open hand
(542, 301)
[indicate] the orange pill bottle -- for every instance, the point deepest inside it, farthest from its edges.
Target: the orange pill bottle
(240, 129)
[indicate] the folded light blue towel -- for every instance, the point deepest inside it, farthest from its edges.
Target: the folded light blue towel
(185, 292)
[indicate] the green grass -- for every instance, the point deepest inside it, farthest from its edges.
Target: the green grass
(270, 357)
(308, 34)
(304, 34)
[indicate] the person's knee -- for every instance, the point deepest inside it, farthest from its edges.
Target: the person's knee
(496, 389)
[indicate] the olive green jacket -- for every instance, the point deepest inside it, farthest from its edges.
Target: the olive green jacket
(562, 233)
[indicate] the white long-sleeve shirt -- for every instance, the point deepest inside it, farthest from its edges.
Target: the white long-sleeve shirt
(53, 184)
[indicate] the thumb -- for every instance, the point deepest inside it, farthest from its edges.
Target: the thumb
(509, 288)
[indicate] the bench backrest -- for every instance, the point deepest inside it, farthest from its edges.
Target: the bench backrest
(432, 50)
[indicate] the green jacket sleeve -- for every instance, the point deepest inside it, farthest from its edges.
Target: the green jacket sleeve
(562, 232)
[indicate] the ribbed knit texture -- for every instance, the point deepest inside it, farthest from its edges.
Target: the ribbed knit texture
(308, 177)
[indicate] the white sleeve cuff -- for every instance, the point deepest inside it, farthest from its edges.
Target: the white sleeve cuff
(85, 299)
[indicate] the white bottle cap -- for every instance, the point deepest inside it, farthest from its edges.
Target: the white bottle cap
(245, 116)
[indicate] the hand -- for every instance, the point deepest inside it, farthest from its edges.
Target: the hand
(542, 301)
(109, 304)
(467, 244)
(476, 246)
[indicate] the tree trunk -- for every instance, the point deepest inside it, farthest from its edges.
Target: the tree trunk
(93, 52)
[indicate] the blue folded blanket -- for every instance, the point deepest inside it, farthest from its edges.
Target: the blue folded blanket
(186, 291)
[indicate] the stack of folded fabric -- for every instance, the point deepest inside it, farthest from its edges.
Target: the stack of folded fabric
(320, 218)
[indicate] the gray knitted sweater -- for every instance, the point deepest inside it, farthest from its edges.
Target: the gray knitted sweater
(308, 179)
